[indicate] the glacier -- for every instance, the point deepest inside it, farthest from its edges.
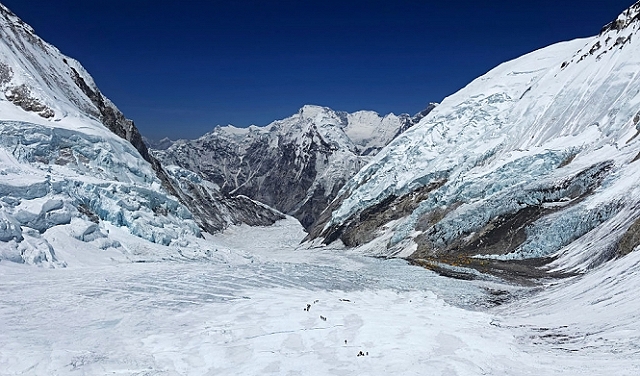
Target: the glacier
(59, 177)
(257, 307)
(534, 161)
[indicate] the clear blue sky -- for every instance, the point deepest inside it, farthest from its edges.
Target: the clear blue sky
(178, 68)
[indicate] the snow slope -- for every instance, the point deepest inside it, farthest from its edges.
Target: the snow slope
(531, 160)
(296, 165)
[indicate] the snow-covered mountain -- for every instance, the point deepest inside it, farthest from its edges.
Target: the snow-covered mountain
(162, 144)
(72, 166)
(536, 161)
(296, 165)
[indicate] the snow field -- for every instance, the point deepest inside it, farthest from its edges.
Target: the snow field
(141, 294)
(259, 305)
(142, 321)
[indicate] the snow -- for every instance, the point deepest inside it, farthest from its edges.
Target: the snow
(351, 132)
(321, 147)
(244, 311)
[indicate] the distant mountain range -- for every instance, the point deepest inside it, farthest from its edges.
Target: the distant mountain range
(296, 165)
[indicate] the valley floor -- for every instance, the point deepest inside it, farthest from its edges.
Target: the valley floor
(264, 307)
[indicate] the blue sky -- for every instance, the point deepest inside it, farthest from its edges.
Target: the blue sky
(179, 68)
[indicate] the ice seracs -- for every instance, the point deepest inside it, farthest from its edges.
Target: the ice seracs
(523, 163)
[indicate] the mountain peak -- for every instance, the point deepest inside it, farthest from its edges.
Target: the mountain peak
(624, 20)
(13, 20)
(613, 37)
(311, 111)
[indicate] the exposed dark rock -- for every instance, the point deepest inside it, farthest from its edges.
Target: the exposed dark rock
(6, 74)
(523, 272)
(629, 16)
(112, 118)
(284, 176)
(616, 25)
(630, 240)
(363, 227)
(85, 210)
(214, 211)
(429, 219)
(21, 97)
(595, 48)
(501, 235)
(317, 229)
(308, 212)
